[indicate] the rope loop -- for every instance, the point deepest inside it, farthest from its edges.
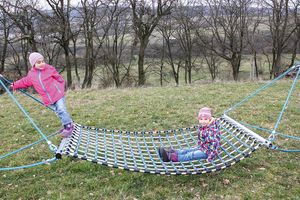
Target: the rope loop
(52, 147)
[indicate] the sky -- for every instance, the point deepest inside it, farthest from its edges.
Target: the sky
(43, 3)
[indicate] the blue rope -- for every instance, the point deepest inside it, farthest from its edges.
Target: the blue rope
(79, 142)
(131, 152)
(258, 91)
(179, 144)
(273, 132)
(283, 135)
(193, 138)
(189, 146)
(105, 146)
(288, 150)
(96, 150)
(26, 147)
(289, 136)
(196, 143)
(286, 103)
(28, 94)
(256, 127)
(51, 146)
(149, 153)
(231, 144)
(87, 143)
(170, 144)
(157, 154)
(114, 149)
(226, 152)
(224, 149)
(29, 166)
(123, 151)
(140, 152)
(221, 159)
(162, 145)
(236, 137)
(270, 131)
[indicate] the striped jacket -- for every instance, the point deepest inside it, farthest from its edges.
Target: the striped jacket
(209, 139)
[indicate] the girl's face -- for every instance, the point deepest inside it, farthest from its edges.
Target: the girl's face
(203, 121)
(39, 64)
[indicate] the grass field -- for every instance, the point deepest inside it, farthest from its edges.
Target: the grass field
(267, 174)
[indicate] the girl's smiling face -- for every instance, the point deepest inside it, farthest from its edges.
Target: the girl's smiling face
(203, 121)
(39, 64)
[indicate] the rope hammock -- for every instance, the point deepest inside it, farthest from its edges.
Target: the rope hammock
(138, 151)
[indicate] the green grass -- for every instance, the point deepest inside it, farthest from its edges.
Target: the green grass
(266, 175)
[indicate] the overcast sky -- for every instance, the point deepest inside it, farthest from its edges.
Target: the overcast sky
(43, 3)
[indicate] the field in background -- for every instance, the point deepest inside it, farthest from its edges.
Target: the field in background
(266, 175)
(200, 73)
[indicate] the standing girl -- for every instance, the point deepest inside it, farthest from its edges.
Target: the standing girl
(50, 86)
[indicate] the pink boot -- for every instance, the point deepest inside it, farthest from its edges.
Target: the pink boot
(67, 131)
(173, 156)
(168, 154)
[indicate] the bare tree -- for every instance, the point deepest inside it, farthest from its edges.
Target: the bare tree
(296, 36)
(146, 15)
(167, 28)
(185, 33)
(116, 43)
(253, 34)
(281, 28)
(51, 49)
(97, 20)
(162, 66)
(75, 32)
(59, 20)
(4, 35)
(226, 25)
(89, 15)
(212, 60)
(23, 15)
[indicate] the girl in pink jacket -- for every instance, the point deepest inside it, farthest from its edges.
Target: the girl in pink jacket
(50, 85)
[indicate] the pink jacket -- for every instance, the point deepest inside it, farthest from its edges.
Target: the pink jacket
(46, 81)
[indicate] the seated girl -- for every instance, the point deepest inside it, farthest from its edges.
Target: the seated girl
(208, 141)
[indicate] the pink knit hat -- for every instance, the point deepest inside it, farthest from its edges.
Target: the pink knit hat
(204, 113)
(34, 57)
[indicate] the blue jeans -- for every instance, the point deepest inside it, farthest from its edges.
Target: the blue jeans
(60, 109)
(191, 154)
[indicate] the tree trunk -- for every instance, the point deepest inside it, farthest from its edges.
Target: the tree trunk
(141, 71)
(145, 18)
(189, 65)
(116, 75)
(255, 64)
(186, 72)
(276, 65)
(162, 63)
(75, 59)
(235, 64)
(68, 66)
(296, 46)
(175, 72)
(4, 50)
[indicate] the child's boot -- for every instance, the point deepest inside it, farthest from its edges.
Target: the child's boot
(168, 155)
(67, 131)
(163, 154)
(173, 156)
